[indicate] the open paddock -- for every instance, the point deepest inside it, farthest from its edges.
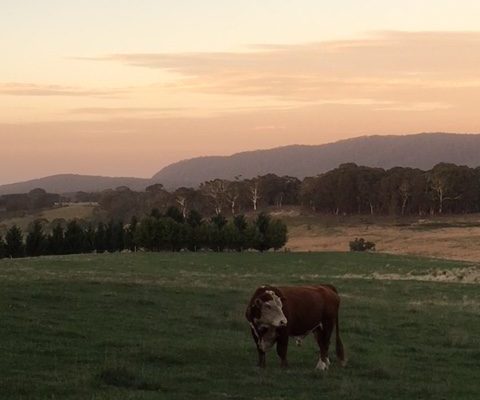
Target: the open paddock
(171, 326)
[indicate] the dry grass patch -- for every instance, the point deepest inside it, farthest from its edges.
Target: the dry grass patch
(71, 211)
(456, 238)
(467, 275)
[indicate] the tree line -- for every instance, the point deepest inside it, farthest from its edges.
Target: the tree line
(348, 189)
(352, 189)
(170, 231)
(218, 196)
(34, 200)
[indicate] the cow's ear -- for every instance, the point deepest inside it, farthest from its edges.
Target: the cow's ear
(278, 301)
(254, 310)
(282, 298)
(248, 313)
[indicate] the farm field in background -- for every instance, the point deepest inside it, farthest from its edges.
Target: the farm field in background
(67, 212)
(171, 326)
(455, 237)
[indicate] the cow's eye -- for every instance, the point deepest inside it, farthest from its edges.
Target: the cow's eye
(268, 306)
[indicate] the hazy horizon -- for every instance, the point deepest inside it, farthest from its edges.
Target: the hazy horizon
(114, 88)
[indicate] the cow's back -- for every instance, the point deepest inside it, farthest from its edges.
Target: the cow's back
(305, 307)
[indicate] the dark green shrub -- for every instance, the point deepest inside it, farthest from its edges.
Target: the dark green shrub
(56, 240)
(361, 245)
(175, 214)
(74, 238)
(14, 246)
(36, 242)
(2, 247)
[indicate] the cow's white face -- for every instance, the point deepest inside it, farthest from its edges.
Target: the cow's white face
(271, 313)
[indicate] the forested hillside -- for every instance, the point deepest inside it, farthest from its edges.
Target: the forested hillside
(416, 151)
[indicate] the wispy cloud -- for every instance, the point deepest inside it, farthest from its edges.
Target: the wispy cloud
(420, 106)
(382, 53)
(409, 69)
(32, 89)
(116, 111)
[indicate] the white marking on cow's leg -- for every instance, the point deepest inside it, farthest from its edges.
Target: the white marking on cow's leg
(321, 365)
(327, 361)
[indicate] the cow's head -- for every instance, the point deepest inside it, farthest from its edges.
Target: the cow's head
(270, 312)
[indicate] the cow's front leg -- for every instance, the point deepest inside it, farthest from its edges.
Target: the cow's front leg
(260, 350)
(322, 365)
(261, 358)
(282, 347)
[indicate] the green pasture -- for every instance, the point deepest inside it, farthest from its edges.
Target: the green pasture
(171, 326)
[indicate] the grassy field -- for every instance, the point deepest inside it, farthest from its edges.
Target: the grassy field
(171, 326)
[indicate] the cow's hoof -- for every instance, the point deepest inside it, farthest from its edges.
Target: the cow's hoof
(321, 366)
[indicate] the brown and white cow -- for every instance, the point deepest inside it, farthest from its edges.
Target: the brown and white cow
(277, 313)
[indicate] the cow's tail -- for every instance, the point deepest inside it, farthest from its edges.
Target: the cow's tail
(339, 349)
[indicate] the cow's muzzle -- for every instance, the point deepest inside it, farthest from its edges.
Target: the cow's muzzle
(282, 322)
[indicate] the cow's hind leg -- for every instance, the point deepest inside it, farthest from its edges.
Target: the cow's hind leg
(282, 347)
(322, 335)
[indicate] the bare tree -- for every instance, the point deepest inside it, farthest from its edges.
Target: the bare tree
(405, 193)
(182, 202)
(254, 192)
(232, 194)
(183, 197)
(441, 183)
(437, 184)
(215, 190)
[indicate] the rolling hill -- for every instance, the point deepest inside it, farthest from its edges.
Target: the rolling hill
(421, 151)
(66, 183)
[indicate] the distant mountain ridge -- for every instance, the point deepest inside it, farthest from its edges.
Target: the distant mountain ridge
(421, 151)
(67, 183)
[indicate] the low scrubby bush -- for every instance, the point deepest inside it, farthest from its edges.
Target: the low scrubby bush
(361, 245)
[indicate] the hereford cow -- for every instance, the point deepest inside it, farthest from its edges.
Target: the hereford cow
(276, 313)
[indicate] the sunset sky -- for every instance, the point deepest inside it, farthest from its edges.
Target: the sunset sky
(123, 88)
